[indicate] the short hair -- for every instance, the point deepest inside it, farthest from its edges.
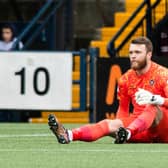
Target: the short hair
(8, 26)
(143, 40)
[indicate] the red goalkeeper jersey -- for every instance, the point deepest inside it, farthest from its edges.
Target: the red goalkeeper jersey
(155, 81)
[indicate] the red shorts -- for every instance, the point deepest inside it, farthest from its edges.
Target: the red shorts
(158, 134)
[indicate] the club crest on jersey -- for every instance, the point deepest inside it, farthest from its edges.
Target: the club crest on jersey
(151, 82)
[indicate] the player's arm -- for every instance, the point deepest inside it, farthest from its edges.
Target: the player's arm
(124, 100)
(123, 109)
(165, 102)
(165, 89)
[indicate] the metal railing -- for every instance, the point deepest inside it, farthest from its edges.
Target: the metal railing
(82, 82)
(94, 54)
(85, 67)
(50, 7)
(149, 18)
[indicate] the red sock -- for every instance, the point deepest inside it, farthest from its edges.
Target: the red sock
(91, 132)
(144, 121)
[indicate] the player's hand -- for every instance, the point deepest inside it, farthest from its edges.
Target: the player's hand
(144, 97)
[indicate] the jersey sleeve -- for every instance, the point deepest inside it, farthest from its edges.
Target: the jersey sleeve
(124, 99)
(164, 86)
(166, 93)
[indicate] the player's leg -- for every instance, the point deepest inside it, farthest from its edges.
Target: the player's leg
(162, 128)
(92, 132)
(146, 136)
(87, 133)
(151, 117)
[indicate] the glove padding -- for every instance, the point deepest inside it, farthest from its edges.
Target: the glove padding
(144, 97)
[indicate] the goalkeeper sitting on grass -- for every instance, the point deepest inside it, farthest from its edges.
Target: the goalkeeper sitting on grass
(145, 85)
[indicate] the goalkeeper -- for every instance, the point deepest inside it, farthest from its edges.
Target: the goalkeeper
(145, 85)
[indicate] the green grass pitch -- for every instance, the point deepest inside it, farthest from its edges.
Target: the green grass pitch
(33, 146)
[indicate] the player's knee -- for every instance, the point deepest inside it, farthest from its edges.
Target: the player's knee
(113, 124)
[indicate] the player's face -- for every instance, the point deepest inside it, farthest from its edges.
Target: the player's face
(138, 56)
(7, 34)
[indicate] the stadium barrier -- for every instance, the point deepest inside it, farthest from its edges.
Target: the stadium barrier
(44, 81)
(27, 77)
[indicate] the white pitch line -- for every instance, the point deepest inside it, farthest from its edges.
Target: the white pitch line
(83, 150)
(24, 135)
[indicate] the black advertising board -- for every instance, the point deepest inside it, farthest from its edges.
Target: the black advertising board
(109, 71)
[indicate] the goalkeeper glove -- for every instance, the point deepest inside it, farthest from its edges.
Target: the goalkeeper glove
(143, 97)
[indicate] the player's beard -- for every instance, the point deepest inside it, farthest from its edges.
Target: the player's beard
(139, 65)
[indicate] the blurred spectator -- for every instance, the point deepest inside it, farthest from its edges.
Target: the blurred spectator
(8, 37)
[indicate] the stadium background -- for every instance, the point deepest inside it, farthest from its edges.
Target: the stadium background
(93, 31)
(97, 34)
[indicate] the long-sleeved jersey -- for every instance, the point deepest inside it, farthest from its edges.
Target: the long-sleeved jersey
(155, 81)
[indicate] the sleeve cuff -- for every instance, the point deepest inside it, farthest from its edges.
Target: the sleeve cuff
(165, 103)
